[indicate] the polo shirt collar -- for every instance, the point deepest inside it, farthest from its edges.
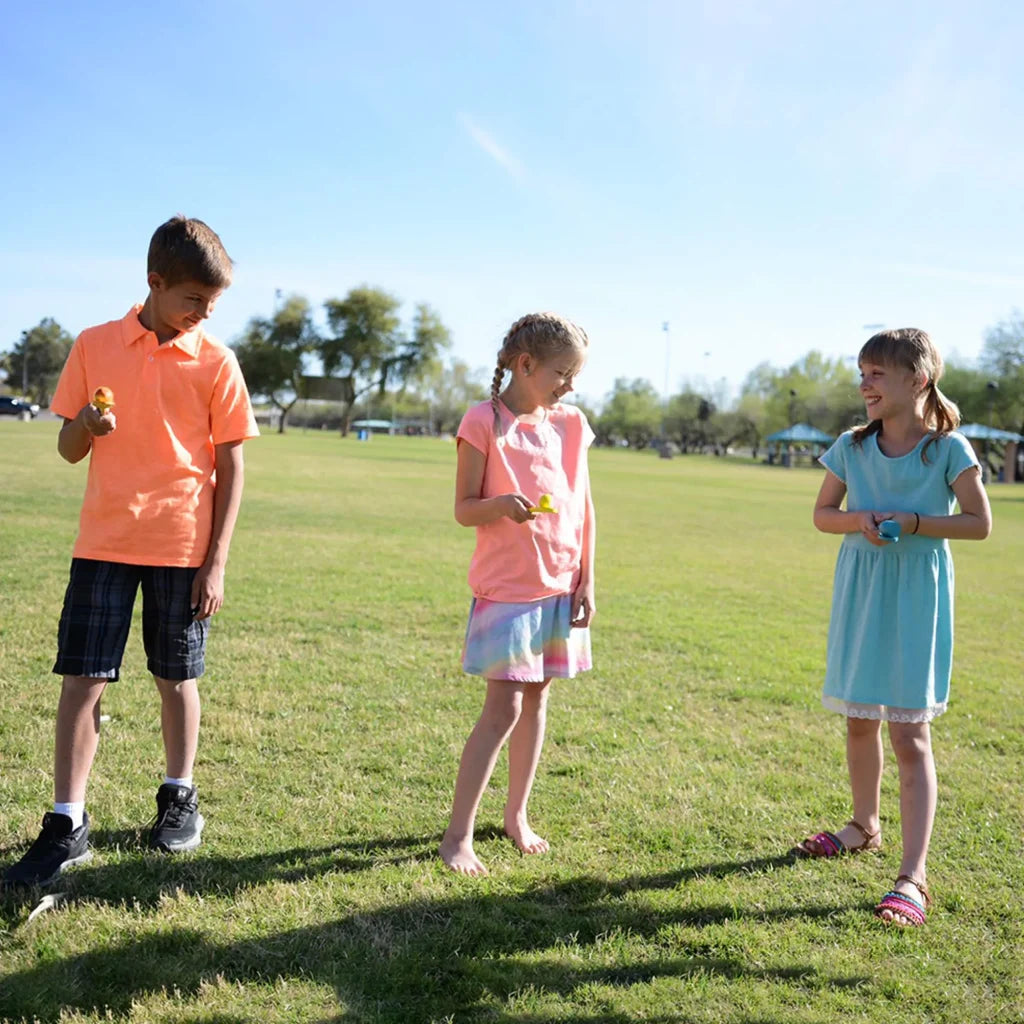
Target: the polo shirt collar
(132, 330)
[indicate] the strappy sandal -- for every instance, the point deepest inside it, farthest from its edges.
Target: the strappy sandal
(901, 905)
(828, 844)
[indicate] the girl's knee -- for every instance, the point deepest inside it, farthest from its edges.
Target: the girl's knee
(502, 707)
(535, 696)
(910, 741)
(860, 728)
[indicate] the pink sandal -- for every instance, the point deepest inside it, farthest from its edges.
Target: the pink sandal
(906, 906)
(828, 844)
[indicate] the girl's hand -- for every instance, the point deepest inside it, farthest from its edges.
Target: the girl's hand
(907, 521)
(869, 528)
(583, 606)
(516, 507)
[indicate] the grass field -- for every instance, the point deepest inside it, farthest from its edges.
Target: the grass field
(674, 779)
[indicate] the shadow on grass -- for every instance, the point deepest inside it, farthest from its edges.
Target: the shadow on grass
(426, 959)
(145, 878)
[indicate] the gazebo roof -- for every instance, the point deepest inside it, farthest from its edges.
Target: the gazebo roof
(800, 433)
(979, 432)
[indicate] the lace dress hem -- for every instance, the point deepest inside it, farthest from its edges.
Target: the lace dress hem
(882, 712)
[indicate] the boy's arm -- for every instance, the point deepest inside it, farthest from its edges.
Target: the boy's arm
(74, 441)
(208, 585)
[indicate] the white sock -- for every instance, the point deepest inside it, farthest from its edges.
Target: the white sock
(186, 782)
(74, 810)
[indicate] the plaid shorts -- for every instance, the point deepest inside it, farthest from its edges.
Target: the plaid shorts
(98, 614)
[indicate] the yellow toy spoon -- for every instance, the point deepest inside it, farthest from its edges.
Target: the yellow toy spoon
(103, 399)
(544, 505)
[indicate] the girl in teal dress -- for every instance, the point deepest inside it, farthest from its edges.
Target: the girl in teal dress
(890, 642)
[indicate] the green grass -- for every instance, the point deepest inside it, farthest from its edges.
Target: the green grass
(675, 776)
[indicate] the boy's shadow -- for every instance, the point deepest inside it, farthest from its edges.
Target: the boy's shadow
(145, 880)
(421, 960)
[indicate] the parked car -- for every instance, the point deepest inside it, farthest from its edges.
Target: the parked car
(10, 406)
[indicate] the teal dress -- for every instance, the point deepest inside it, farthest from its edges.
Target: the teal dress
(890, 638)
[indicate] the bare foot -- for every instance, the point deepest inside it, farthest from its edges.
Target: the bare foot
(459, 856)
(524, 837)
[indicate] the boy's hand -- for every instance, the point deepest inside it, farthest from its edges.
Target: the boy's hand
(97, 423)
(207, 591)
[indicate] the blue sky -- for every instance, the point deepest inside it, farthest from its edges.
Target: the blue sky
(768, 177)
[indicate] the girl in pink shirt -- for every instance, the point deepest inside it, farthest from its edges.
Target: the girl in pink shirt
(532, 573)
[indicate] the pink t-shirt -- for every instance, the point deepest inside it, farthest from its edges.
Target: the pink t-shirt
(516, 562)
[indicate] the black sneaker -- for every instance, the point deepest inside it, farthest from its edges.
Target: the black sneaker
(178, 825)
(58, 847)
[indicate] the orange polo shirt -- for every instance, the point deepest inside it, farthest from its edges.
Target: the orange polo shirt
(149, 493)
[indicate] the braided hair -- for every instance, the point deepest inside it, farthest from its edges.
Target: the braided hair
(911, 349)
(541, 335)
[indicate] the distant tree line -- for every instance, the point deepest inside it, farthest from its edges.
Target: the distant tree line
(367, 358)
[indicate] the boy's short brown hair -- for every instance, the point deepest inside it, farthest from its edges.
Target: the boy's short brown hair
(186, 249)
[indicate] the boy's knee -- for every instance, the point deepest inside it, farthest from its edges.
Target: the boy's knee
(82, 688)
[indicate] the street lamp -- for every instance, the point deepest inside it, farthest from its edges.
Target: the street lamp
(792, 405)
(668, 351)
(24, 364)
(992, 386)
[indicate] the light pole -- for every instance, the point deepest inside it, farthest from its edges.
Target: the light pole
(24, 364)
(664, 405)
(668, 352)
(992, 387)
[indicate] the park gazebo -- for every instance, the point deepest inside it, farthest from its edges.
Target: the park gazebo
(798, 434)
(977, 433)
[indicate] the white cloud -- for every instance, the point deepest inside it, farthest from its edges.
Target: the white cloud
(492, 147)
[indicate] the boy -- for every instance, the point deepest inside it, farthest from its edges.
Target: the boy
(162, 496)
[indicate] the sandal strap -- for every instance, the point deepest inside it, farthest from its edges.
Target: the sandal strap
(868, 836)
(921, 887)
(829, 843)
(902, 904)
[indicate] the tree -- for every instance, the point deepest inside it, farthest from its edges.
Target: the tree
(448, 391)
(686, 419)
(632, 412)
(1002, 358)
(969, 389)
(815, 389)
(366, 347)
(35, 362)
(271, 354)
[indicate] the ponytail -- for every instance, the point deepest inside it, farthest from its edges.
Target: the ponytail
(941, 414)
(499, 373)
